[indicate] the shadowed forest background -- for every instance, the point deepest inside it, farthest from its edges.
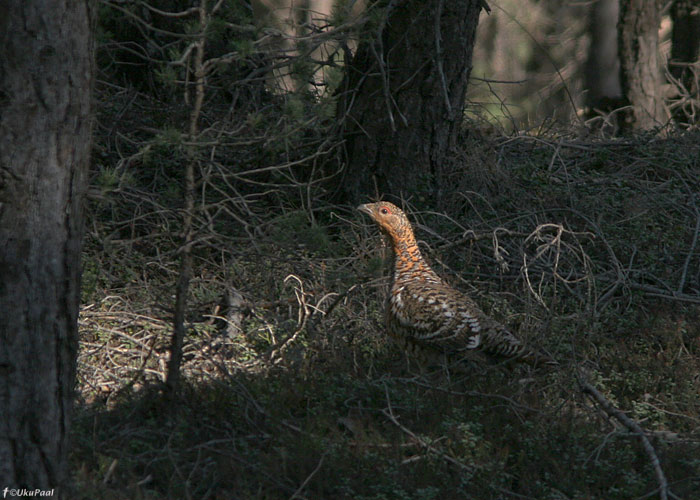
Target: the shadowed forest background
(231, 328)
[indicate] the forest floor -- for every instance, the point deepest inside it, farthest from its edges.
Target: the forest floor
(587, 248)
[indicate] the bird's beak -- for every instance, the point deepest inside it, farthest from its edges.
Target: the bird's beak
(365, 209)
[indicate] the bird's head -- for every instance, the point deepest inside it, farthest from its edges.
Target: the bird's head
(390, 218)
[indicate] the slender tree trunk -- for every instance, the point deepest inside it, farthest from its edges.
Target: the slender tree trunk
(183, 282)
(45, 126)
(602, 68)
(403, 99)
(684, 65)
(640, 65)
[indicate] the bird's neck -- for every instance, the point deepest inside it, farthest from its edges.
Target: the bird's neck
(407, 256)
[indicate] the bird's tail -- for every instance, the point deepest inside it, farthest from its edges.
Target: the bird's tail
(504, 344)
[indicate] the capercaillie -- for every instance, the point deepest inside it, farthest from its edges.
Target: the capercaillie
(428, 318)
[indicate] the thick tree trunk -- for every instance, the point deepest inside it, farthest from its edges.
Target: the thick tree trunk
(403, 98)
(45, 126)
(640, 65)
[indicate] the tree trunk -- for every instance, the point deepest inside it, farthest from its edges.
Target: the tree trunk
(403, 98)
(183, 282)
(685, 54)
(602, 70)
(46, 49)
(640, 67)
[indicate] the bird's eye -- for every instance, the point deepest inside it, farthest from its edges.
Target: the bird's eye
(384, 210)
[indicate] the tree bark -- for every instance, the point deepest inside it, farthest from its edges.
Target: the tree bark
(685, 56)
(640, 66)
(403, 99)
(46, 49)
(602, 70)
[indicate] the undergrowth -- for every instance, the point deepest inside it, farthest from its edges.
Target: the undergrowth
(587, 249)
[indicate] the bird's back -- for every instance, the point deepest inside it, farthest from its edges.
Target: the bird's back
(430, 319)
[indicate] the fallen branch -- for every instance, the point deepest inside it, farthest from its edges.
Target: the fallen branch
(653, 291)
(633, 427)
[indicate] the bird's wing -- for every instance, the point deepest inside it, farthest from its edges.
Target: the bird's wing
(437, 315)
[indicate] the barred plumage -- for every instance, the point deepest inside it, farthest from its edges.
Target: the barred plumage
(426, 316)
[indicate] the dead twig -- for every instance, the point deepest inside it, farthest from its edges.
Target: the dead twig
(686, 264)
(303, 316)
(389, 413)
(308, 478)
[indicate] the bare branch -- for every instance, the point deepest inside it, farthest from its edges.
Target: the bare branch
(635, 428)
